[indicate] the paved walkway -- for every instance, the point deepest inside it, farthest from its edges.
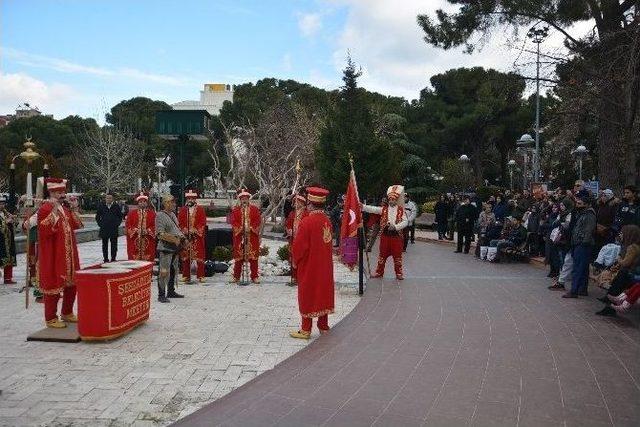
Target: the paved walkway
(460, 342)
(190, 352)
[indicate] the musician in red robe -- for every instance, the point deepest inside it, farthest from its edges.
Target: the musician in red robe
(313, 258)
(140, 227)
(292, 224)
(245, 223)
(392, 221)
(58, 253)
(192, 220)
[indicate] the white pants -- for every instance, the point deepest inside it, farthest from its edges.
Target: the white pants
(567, 267)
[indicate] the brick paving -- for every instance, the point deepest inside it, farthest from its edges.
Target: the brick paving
(189, 353)
(460, 342)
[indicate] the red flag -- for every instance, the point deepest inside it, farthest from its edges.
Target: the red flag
(351, 221)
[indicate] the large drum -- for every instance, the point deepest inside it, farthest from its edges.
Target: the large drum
(113, 298)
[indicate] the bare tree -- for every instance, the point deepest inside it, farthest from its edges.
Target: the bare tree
(284, 135)
(231, 154)
(110, 160)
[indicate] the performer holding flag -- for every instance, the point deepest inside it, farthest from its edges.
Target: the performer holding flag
(393, 220)
(140, 227)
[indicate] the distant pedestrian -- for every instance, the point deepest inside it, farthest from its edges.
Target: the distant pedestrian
(441, 211)
(465, 219)
(109, 217)
(411, 210)
(582, 242)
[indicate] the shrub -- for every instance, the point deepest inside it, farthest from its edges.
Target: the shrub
(222, 253)
(429, 207)
(277, 228)
(264, 251)
(283, 252)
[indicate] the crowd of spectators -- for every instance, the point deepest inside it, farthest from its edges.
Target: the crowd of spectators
(581, 236)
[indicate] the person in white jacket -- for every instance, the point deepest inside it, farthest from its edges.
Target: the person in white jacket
(393, 220)
(412, 212)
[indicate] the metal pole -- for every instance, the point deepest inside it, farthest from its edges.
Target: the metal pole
(360, 260)
(536, 159)
(580, 167)
(511, 178)
(12, 188)
(159, 179)
(183, 139)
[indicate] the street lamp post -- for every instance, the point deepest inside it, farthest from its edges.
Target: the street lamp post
(511, 164)
(28, 155)
(160, 165)
(524, 147)
(537, 35)
(464, 159)
(580, 152)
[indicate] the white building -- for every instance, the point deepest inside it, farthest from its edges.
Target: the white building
(211, 99)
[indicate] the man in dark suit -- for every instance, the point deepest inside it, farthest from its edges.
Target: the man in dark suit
(109, 217)
(465, 219)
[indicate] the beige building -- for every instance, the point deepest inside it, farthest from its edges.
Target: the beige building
(211, 99)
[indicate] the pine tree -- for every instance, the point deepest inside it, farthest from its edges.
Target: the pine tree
(350, 129)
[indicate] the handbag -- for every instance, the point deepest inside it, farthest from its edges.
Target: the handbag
(556, 235)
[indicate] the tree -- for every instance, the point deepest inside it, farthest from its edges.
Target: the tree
(475, 112)
(110, 160)
(601, 71)
(284, 136)
(350, 129)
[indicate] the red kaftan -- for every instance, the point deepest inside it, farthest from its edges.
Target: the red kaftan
(292, 224)
(57, 248)
(251, 223)
(192, 224)
(141, 230)
(313, 258)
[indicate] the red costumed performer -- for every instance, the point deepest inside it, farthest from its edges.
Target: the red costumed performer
(141, 230)
(292, 224)
(313, 258)
(58, 253)
(192, 220)
(392, 221)
(245, 222)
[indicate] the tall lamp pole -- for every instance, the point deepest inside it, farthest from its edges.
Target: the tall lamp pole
(524, 146)
(28, 155)
(464, 159)
(511, 164)
(580, 152)
(537, 35)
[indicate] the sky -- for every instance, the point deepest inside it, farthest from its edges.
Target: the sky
(84, 56)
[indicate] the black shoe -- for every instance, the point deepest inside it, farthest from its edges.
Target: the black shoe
(556, 287)
(583, 293)
(105, 261)
(174, 295)
(163, 299)
(412, 242)
(607, 312)
(457, 252)
(113, 260)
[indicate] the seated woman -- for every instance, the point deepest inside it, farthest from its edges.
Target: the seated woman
(626, 265)
(516, 236)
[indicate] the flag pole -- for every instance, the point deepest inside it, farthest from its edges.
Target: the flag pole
(360, 240)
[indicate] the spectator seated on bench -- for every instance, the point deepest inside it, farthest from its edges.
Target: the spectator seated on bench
(513, 245)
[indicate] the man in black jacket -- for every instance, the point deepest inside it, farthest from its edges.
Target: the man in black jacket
(109, 217)
(465, 218)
